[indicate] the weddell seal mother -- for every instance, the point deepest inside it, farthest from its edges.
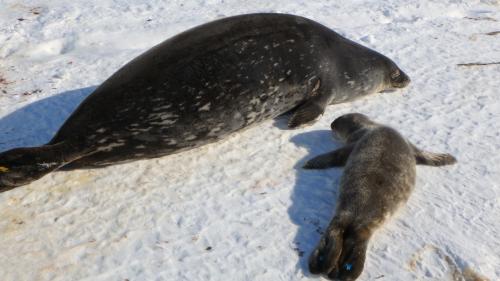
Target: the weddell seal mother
(204, 84)
(379, 177)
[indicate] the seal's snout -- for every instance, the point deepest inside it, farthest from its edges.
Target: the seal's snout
(333, 125)
(336, 127)
(399, 79)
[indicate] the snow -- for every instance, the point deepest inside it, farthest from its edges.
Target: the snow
(242, 209)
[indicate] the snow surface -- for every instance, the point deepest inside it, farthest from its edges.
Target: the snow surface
(241, 209)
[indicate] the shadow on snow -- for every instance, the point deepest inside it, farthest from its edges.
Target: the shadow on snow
(36, 123)
(314, 195)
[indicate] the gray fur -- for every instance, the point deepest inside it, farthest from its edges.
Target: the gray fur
(205, 84)
(379, 177)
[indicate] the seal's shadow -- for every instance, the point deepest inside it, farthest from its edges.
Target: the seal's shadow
(314, 195)
(36, 123)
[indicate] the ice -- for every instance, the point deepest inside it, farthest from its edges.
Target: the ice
(242, 209)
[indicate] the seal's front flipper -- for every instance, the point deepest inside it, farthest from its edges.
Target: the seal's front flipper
(306, 113)
(336, 158)
(313, 107)
(433, 159)
(20, 166)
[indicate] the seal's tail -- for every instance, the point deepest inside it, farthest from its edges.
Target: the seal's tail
(433, 159)
(20, 166)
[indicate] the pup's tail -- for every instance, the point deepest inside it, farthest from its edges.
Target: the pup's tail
(433, 159)
(20, 166)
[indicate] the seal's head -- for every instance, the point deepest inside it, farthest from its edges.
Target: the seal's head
(344, 126)
(371, 73)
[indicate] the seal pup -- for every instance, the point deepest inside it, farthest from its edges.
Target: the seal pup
(379, 177)
(204, 84)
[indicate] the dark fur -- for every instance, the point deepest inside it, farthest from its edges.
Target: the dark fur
(379, 176)
(208, 82)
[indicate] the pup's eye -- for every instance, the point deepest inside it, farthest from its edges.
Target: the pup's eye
(395, 74)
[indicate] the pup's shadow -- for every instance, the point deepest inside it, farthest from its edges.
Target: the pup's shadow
(314, 195)
(36, 123)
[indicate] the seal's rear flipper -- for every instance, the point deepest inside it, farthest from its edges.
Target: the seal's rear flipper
(20, 166)
(352, 259)
(324, 258)
(433, 159)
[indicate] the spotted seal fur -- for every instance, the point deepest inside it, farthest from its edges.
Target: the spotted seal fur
(204, 84)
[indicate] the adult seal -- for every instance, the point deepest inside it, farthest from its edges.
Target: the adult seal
(204, 84)
(379, 176)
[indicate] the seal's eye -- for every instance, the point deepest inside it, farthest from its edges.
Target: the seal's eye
(395, 74)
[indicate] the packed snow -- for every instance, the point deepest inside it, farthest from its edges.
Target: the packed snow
(242, 209)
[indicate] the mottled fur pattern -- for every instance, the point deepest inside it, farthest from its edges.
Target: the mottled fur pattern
(206, 83)
(378, 178)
